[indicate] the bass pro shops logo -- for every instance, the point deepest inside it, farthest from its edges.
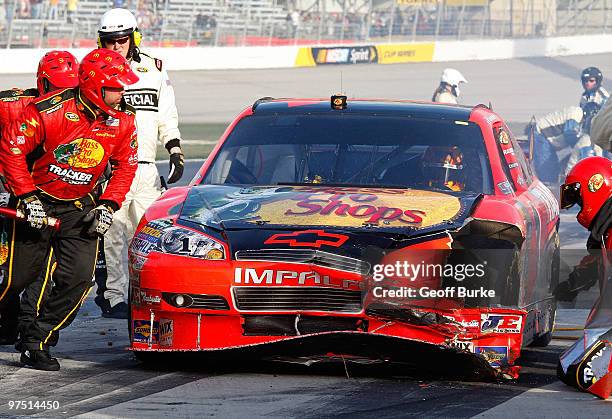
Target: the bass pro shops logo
(80, 153)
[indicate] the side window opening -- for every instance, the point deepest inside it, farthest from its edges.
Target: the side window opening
(522, 161)
(502, 140)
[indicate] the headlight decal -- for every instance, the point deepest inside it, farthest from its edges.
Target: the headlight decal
(147, 239)
(185, 242)
(163, 236)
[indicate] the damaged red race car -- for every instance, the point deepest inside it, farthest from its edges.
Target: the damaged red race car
(353, 227)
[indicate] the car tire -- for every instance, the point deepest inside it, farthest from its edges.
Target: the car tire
(545, 339)
(542, 341)
(129, 318)
(147, 357)
(512, 287)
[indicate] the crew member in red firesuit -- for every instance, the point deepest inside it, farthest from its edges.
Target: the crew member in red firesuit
(56, 70)
(589, 185)
(79, 131)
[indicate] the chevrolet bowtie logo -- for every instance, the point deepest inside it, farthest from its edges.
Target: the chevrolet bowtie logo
(308, 238)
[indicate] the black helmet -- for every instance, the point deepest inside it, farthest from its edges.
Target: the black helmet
(592, 72)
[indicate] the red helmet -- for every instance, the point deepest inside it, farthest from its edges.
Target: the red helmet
(588, 184)
(59, 68)
(104, 68)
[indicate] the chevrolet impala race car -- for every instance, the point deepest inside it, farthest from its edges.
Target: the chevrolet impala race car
(362, 219)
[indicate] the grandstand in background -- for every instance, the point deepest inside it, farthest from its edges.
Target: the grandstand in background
(73, 23)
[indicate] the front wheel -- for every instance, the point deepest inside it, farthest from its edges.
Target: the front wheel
(129, 318)
(147, 357)
(545, 339)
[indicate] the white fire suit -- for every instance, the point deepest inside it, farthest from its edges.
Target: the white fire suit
(157, 119)
(553, 134)
(446, 97)
(599, 96)
(556, 126)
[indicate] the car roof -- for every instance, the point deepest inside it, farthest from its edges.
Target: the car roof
(426, 110)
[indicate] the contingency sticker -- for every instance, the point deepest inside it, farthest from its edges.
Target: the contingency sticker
(494, 355)
(166, 332)
(142, 331)
(501, 323)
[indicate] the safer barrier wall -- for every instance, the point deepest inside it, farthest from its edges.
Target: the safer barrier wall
(442, 51)
(178, 59)
(221, 58)
(364, 54)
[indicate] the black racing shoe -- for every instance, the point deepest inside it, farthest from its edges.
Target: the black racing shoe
(39, 360)
(119, 311)
(103, 303)
(19, 347)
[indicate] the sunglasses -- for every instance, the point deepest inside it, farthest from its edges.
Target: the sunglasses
(120, 41)
(589, 80)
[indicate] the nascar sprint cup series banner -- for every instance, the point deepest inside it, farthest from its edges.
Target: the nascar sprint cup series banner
(365, 54)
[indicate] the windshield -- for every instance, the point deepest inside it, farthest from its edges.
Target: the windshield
(353, 149)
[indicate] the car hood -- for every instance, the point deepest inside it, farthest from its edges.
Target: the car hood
(412, 211)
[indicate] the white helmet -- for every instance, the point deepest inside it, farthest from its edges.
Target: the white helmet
(117, 22)
(452, 77)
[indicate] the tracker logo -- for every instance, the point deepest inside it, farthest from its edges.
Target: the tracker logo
(308, 238)
(70, 176)
(595, 365)
(501, 323)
